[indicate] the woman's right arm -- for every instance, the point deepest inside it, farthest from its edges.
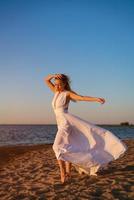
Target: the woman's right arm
(47, 80)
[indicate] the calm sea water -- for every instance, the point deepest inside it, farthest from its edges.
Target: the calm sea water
(45, 134)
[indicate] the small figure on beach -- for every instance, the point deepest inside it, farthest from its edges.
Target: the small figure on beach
(78, 142)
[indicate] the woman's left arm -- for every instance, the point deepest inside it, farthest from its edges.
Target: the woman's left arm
(78, 97)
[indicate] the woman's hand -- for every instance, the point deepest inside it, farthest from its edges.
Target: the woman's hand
(49, 77)
(101, 100)
(58, 76)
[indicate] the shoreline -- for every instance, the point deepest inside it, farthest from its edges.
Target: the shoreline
(8, 151)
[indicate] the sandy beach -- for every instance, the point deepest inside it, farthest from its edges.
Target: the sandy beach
(32, 173)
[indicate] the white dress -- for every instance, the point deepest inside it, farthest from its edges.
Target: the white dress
(87, 146)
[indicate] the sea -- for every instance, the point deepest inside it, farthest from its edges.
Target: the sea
(45, 134)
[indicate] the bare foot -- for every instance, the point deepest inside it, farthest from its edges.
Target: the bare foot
(94, 170)
(63, 177)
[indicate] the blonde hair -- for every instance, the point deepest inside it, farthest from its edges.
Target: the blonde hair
(67, 81)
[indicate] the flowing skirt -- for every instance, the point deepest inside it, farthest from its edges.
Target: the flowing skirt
(86, 145)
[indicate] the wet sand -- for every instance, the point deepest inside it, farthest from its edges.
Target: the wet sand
(32, 173)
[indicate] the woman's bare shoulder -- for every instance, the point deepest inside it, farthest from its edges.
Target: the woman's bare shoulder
(70, 93)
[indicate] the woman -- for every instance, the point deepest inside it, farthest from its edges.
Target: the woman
(78, 142)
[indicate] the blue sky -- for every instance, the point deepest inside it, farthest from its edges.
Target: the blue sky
(90, 40)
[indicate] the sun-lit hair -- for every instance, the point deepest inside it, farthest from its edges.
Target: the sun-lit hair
(66, 81)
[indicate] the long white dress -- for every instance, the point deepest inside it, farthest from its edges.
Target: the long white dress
(87, 146)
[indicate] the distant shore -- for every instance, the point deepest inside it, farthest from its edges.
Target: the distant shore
(56, 124)
(32, 172)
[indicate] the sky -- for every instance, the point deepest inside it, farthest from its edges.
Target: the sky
(92, 41)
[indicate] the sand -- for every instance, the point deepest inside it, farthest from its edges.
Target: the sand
(32, 173)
